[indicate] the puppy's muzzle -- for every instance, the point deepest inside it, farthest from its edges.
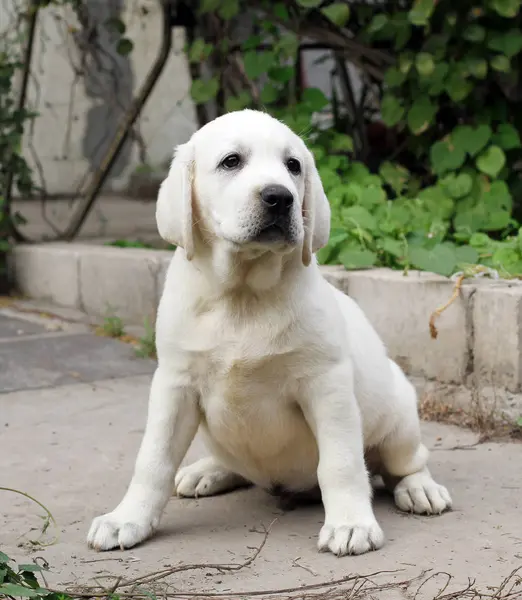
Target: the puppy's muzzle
(277, 201)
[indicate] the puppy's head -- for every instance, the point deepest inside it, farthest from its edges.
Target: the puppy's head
(245, 180)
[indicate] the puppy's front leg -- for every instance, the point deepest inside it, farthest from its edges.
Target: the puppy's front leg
(172, 422)
(329, 405)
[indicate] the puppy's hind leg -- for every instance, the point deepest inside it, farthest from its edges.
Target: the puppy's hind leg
(404, 457)
(206, 477)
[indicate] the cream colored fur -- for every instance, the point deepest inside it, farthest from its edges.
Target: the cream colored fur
(282, 373)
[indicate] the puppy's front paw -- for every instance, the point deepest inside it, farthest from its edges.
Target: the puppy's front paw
(119, 530)
(419, 493)
(351, 538)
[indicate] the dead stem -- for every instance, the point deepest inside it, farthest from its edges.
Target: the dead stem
(436, 313)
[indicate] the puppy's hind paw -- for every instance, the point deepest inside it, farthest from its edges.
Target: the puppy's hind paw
(206, 477)
(420, 494)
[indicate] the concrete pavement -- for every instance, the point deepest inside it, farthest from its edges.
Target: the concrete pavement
(72, 413)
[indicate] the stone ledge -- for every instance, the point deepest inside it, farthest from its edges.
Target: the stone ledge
(479, 336)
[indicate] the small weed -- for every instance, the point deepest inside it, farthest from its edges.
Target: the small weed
(47, 521)
(20, 581)
(130, 244)
(112, 325)
(155, 245)
(484, 419)
(146, 346)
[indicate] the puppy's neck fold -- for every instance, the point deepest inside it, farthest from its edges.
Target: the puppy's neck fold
(233, 272)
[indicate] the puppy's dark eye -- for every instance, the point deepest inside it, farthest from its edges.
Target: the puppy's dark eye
(232, 161)
(294, 166)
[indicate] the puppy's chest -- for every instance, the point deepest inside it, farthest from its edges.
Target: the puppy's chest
(238, 357)
(248, 375)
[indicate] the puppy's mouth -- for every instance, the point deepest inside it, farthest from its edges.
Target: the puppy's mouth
(277, 230)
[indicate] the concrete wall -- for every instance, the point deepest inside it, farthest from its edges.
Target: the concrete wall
(475, 360)
(79, 114)
(81, 94)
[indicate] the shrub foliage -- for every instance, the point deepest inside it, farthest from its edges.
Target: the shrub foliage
(421, 160)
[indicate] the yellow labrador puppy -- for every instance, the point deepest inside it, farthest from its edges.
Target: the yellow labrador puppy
(282, 373)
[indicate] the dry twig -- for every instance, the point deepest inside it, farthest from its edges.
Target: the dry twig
(436, 313)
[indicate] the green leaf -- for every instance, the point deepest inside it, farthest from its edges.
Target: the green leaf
(124, 46)
(281, 74)
(507, 137)
(13, 589)
(287, 45)
(394, 247)
(4, 558)
(343, 143)
(402, 33)
(474, 33)
(446, 157)
(353, 258)
(498, 220)
(405, 62)
(439, 259)
(257, 63)
(314, 99)
(238, 102)
(506, 8)
(421, 12)
(457, 186)
(377, 23)
(457, 87)
(199, 51)
(471, 140)
(491, 161)
(204, 90)
(228, 9)
(507, 259)
(421, 115)
(394, 78)
(395, 176)
(437, 79)
(338, 13)
(309, 3)
(392, 110)
(466, 255)
(500, 63)
(478, 67)
(360, 217)
(269, 94)
(425, 63)
(481, 242)
(372, 195)
(337, 237)
(32, 568)
(507, 42)
(209, 6)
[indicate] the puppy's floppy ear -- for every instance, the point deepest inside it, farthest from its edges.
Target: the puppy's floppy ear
(174, 205)
(316, 212)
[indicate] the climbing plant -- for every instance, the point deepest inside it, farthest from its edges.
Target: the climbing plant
(17, 38)
(420, 154)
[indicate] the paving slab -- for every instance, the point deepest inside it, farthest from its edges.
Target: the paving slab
(73, 448)
(37, 353)
(72, 415)
(12, 327)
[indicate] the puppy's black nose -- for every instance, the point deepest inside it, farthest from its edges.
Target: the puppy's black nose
(277, 199)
